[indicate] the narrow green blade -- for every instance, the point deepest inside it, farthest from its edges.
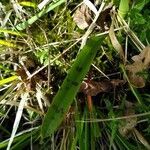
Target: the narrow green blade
(70, 87)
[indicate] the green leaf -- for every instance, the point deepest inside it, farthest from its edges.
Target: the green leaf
(8, 43)
(9, 79)
(123, 8)
(30, 21)
(13, 32)
(70, 87)
(28, 4)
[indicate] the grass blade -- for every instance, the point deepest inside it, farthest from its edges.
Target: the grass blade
(9, 79)
(30, 21)
(28, 4)
(13, 32)
(17, 119)
(70, 86)
(8, 43)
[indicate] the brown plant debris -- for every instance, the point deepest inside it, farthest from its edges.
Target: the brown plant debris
(93, 88)
(141, 138)
(140, 64)
(82, 17)
(128, 124)
(117, 46)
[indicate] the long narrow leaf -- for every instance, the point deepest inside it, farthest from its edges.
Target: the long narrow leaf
(30, 21)
(123, 8)
(28, 4)
(9, 79)
(70, 86)
(8, 43)
(17, 119)
(12, 32)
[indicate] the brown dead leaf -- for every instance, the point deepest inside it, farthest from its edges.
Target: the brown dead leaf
(141, 63)
(144, 57)
(93, 88)
(141, 138)
(82, 17)
(117, 82)
(115, 42)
